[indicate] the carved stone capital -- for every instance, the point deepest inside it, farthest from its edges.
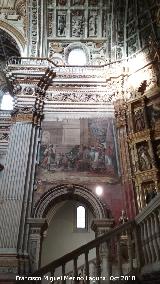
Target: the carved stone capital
(102, 226)
(37, 225)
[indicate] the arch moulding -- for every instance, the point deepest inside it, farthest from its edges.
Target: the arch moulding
(15, 34)
(76, 192)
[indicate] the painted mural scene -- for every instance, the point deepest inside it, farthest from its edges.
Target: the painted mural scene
(82, 145)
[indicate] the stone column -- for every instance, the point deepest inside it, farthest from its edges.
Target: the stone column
(37, 227)
(16, 188)
(100, 227)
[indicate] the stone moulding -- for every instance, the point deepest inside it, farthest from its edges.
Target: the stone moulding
(17, 35)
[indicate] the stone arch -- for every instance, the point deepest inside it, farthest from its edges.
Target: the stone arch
(75, 192)
(15, 34)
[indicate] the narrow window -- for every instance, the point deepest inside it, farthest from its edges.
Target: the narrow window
(81, 217)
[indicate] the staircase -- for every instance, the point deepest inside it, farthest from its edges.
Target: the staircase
(125, 254)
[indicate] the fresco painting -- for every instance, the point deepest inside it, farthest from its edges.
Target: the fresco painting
(86, 146)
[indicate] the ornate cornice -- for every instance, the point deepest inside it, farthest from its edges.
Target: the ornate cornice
(22, 115)
(147, 175)
(139, 136)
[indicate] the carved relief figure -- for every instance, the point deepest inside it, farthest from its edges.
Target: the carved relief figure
(154, 112)
(139, 120)
(93, 2)
(62, 2)
(154, 48)
(150, 192)
(50, 24)
(55, 48)
(4, 136)
(104, 25)
(93, 25)
(77, 23)
(158, 21)
(61, 25)
(78, 2)
(158, 151)
(144, 158)
(28, 91)
(132, 45)
(123, 218)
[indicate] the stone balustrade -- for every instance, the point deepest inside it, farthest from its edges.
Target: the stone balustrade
(113, 69)
(117, 254)
(133, 247)
(148, 222)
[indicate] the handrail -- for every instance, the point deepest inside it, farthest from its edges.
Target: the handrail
(87, 247)
(139, 239)
(112, 67)
(153, 205)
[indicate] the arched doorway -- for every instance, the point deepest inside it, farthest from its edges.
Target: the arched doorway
(69, 228)
(66, 197)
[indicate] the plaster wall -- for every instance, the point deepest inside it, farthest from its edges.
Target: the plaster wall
(62, 237)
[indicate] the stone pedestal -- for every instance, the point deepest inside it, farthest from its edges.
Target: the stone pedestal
(37, 227)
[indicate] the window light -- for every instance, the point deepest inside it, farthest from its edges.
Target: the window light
(77, 57)
(81, 217)
(7, 102)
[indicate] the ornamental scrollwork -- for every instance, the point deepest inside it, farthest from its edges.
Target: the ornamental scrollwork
(79, 97)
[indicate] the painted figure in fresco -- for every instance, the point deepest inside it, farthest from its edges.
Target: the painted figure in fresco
(139, 120)
(144, 158)
(49, 157)
(96, 156)
(109, 159)
(95, 162)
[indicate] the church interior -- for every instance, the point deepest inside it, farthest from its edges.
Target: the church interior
(80, 141)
